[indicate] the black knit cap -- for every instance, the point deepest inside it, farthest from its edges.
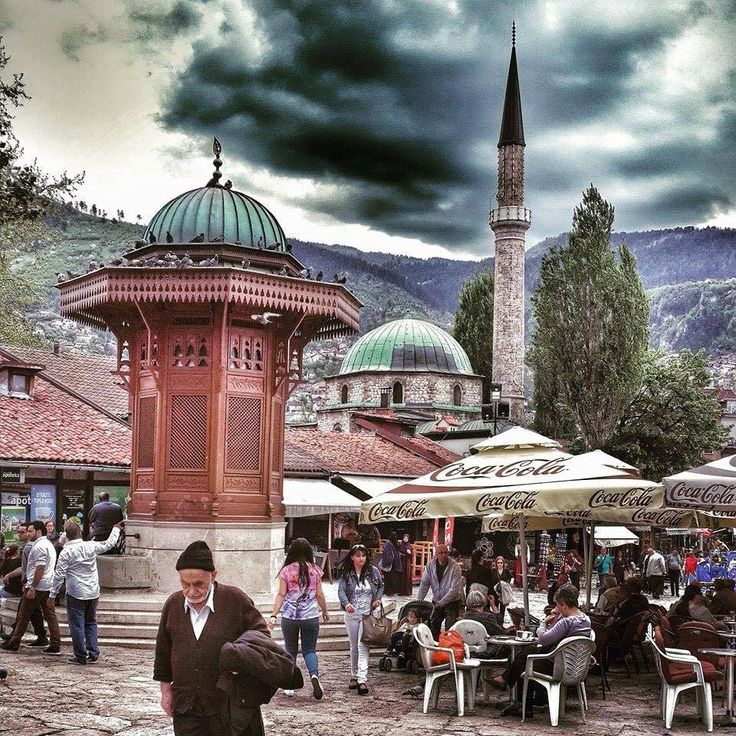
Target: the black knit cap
(197, 556)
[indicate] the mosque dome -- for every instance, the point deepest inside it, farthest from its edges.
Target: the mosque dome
(220, 214)
(407, 345)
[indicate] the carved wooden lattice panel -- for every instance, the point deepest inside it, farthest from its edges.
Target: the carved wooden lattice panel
(188, 444)
(246, 351)
(243, 433)
(146, 430)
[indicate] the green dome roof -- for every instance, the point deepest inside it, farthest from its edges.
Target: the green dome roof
(221, 214)
(407, 345)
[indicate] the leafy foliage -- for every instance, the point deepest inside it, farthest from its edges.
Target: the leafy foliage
(672, 421)
(590, 338)
(474, 321)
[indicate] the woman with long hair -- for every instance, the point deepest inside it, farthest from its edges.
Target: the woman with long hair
(360, 590)
(504, 576)
(391, 565)
(300, 599)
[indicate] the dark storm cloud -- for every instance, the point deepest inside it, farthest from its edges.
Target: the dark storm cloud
(397, 105)
(181, 17)
(73, 39)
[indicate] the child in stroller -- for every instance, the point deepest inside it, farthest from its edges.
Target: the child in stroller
(403, 646)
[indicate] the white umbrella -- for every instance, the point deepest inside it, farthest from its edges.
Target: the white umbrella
(710, 487)
(614, 536)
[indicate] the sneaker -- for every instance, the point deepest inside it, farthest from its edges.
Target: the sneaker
(362, 689)
(8, 647)
(38, 643)
(317, 688)
(74, 660)
(92, 660)
(288, 693)
(52, 651)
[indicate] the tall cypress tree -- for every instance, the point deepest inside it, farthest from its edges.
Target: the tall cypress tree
(474, 321)
(589, 342)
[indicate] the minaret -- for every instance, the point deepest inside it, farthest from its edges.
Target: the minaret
(509, 221)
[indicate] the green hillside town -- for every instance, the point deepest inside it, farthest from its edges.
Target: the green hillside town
(353, 349)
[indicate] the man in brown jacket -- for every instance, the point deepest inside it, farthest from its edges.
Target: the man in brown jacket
(195, 623)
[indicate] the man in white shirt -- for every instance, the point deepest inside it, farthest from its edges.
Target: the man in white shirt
(77, 565)
(40, 571)
(656, 571)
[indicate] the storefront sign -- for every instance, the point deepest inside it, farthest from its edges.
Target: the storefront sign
(13, 475)
(43, 502)
(449, 530)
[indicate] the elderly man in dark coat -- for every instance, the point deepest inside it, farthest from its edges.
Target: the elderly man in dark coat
(195, 624)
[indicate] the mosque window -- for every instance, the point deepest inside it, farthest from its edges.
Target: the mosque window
(344, 394)
(457, 395)
(398, 393)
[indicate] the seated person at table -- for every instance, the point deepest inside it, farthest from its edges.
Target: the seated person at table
(692, 606)
(612, 595)
(633, 603)
(479, 577)
(724, 597)
(565, 620)
(475, 611)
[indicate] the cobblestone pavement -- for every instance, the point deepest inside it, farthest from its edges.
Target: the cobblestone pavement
(117, 696)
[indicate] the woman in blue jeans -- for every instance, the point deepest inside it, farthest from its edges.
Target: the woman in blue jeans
(300, 599)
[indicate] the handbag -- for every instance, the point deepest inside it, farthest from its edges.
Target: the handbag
(449, 640)
(377, 630)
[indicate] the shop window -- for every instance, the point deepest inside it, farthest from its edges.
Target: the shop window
(398, 393)
(344, 394)
(457, 395)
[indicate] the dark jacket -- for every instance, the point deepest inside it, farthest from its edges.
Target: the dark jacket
(191, 665)
(481, 574)
(102, 518)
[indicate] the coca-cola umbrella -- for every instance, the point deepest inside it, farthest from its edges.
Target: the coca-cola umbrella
(710, 487)
(517, 472)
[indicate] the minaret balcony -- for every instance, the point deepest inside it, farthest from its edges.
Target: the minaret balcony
(511, 214)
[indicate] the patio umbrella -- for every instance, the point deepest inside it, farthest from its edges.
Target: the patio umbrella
(517, 472)
(710, 487)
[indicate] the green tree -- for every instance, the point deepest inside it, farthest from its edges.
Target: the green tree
(672, 421)
(474, 321)
(27, 196)
(589, 342)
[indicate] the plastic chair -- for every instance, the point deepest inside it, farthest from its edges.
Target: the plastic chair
(679, 671)
(435, 672)
(474, 636)
(697, 635)
(571, 657)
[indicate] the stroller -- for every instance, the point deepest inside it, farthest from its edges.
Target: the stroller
(402, 653)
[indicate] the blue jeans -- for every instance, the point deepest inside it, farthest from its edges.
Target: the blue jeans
(309, 630)
(82, 619)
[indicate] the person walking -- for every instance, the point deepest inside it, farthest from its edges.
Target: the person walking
(391, 565)
(619, 567)
(103, 516)
(656, 572)
(689, 566)
(77, 568)
(300, 599)
(603, 565)
(407, 554)
(19, 577)
(360, 590)
(186, 663)
(674, 571)
(574, 563)
(444, 577)
(41, 564)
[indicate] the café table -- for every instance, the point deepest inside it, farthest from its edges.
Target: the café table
(730, 655)
(514, 643)
(730, 635)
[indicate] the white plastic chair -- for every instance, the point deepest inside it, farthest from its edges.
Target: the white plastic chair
(474, 635)
(435, 672)
(670, 692)
(571, 657)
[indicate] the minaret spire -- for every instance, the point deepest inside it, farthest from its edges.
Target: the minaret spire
(509, 221)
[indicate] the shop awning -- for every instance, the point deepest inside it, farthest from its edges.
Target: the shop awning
(369, 485)
(614, 536)
(315, 496)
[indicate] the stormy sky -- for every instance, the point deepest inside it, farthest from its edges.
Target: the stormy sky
(374, 123)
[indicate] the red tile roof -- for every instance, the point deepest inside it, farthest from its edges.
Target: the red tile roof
(85, 373)
(726, 394)
(363, 453)
(56, 427)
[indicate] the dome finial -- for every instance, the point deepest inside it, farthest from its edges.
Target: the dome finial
(216, 175)
(513, 37)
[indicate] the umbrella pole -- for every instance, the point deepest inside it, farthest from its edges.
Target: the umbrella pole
(524, 570)
(585, 559)
(589, 571)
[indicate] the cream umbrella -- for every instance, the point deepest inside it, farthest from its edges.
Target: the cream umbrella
(710, 487)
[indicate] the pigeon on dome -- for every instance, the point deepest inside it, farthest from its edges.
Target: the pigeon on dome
(515, 437)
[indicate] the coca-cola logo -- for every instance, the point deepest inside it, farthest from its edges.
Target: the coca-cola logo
(506, 525)
(667, 517)
(518, 469)
(631, 498)
(411, 509)
(716, 494)
(516, 501)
